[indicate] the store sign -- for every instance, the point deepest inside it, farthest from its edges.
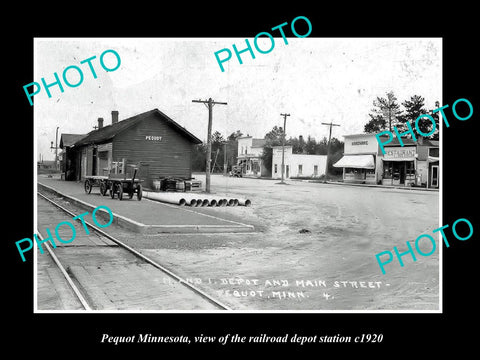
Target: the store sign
(153, 138)
(399, 153)
(365, 142)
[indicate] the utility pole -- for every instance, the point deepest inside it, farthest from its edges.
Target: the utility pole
(283, 144)
(225, 158)
(328, 148)
(209, 104)
(56, 148)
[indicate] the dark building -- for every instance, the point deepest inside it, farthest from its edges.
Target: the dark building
(151, 141)
(68, 162)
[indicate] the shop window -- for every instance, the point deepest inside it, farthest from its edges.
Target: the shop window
(387, 169)
(435, 152)
(410, 169)
(315, 170)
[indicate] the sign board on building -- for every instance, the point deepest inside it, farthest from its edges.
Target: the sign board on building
(364, 142)
(399, 153)
(361, 144)
(153, 138)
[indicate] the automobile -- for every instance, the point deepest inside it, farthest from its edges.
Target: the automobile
(236, 171)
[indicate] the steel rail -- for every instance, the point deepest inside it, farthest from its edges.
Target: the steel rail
(145, 258)
(67, 277)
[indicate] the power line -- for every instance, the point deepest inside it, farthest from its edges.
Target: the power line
(209, 104)
(283, 143)
(328, 147)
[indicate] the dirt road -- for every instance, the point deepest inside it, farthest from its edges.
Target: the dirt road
(314, 248)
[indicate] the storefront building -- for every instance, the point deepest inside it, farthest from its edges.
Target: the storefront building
(416, 163)
(361, 161)
(249, 157)
(297, 165)
(399, 164)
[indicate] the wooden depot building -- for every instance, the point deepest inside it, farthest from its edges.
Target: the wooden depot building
(151, 141)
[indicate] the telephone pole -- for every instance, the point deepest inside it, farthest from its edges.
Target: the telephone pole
(283, 144)
(328, 148)
(209, 104)
(56, 148)
(225, 164)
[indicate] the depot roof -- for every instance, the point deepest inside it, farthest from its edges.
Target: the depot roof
(70, 139)
(107, 133)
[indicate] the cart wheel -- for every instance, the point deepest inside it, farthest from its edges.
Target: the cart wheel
(88, 186)
(103, 188)
(120, 192)
(139, 192)
(130, 194)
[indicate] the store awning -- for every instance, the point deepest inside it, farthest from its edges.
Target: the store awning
(433, 159)
(356, 161)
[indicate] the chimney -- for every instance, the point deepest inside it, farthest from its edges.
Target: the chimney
(114, 116)
(100, 123)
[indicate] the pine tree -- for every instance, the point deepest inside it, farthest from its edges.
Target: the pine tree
(385, 114)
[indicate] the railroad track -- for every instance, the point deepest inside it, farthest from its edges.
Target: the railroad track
(106, 274)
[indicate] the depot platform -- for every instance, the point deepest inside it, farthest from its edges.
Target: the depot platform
(145, 216)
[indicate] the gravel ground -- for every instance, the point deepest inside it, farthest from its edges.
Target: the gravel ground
(314, 248)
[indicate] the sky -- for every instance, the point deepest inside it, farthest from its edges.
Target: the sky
(315, 80)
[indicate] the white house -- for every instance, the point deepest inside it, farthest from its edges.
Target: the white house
(249, 156)
(297, 165)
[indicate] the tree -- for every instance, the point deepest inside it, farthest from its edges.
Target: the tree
(232, 148)
(298, 145)
(310, 145)
(375, 124)
(274, 136)
(218, 150)
(436, 117)
(413, 109)
(199, 157)
(385, 114)
(321, 147)
(235, 135)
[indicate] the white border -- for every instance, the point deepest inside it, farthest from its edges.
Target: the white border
(35, 299)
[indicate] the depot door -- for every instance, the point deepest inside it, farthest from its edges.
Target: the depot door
(94, 161)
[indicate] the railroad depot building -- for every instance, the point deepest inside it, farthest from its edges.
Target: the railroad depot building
(415, 163)
(68, 160)
(250, 151)
(151, 141)
(297, 165)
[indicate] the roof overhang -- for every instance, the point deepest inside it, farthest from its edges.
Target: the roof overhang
(356, 161)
